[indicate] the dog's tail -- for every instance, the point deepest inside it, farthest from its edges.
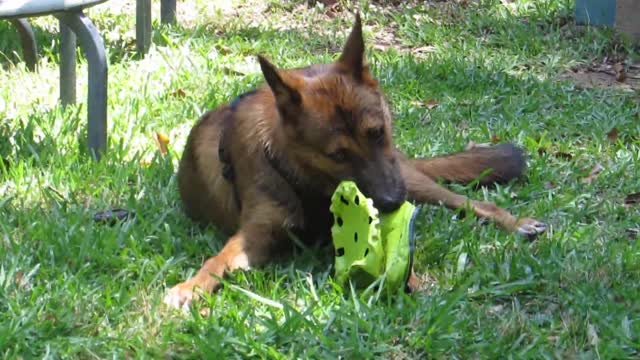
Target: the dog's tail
(493, 164)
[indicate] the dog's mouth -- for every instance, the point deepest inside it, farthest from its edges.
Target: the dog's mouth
(388, 199)
(387, 204)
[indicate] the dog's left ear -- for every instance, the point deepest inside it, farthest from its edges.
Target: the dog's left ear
(352, 57)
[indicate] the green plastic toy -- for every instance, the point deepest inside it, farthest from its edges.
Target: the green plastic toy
(367, 244)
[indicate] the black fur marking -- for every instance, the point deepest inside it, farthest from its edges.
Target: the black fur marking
(346, 118)
(315, 205)
(234, 104)
(225, 155)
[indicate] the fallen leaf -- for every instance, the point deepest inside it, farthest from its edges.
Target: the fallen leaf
(178, 93)
(612, 135)
(472, 145)
(19, 277)
(205, 312)
(592, 335)
(495, 309)
(333, 8)
(423, 50)
(621, 74)
(223, 49)
(380, 47)
(428, 104)
(593, 174)
(563, 155)
(633, 233)
(162, 141)
(229, 71)
(112, 217)
(495, 139)
(632, 199)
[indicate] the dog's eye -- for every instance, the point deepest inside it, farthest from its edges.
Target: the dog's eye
(339, 156)
(376, 134)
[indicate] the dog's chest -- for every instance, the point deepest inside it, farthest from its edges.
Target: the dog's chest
(317, 219)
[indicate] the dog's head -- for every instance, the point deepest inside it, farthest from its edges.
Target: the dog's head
(337, 124)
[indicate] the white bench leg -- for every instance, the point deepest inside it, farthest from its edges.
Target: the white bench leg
(28, 40)
(92, 44)
(168, 11)
(143, 26)
(67, 65)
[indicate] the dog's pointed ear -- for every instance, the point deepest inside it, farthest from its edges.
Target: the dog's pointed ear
(287, 97)
(352, 57)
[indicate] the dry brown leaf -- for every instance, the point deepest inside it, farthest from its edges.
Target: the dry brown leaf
(19, 277)
(621, 74)
(495, 139)
(632, 199)
(428, 104)
(229, 71)
(612, 135)
(333, 8)
(472, 145)
(424, 50)
(162, 141)
(178, 93)
(563, 155)
(223, 49)
(597, 169)
(633, 233)
(380, 47)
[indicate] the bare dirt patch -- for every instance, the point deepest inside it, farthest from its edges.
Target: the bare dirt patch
(606, 74)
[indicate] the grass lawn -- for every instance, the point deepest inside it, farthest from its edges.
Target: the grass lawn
(454, 72)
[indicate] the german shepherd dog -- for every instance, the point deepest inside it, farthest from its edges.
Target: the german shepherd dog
(267, 164)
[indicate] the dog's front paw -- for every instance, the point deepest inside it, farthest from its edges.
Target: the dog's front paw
(180, 296)
(530, 228)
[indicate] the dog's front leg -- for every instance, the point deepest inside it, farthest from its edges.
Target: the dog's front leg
(423, 189)
(248, 247)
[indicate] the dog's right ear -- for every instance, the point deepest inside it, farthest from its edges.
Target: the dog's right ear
(287, 97)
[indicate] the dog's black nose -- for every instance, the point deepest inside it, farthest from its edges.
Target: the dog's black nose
(388, 203)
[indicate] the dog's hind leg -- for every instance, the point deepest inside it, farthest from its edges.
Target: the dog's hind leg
(493, 164)
(423, 189)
